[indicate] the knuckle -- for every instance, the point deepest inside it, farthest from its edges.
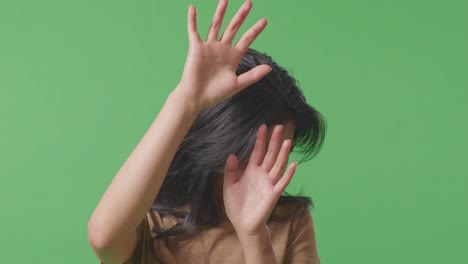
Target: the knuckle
(234, 26)
(216, 24)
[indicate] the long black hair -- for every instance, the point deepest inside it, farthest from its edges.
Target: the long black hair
(230, 127)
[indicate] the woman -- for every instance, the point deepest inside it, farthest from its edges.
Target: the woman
(204, 184)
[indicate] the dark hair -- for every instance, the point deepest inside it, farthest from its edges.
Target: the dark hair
(230, 127)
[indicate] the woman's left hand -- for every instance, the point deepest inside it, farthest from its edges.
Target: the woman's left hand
(250, 198)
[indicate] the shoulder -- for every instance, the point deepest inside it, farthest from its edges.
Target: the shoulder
(293, 232)
(302, 245)
(288, 219)
(290, 212)
(302, 226)
(299, 219)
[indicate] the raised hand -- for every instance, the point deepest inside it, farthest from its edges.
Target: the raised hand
(250, 198)
(209, 72)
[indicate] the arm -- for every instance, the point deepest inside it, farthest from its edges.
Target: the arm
(251, 197)
(302, 246)
(132, 191)
(208, 78)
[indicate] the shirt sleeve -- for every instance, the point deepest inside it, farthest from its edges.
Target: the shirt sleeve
(302, 247)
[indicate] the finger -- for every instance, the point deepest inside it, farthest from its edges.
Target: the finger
(259, 149)
(273, 148)
(281, 161)
(248, 37)
(252, 76)
(230, 170)
(236, 22)
(217, 21)
(281, 185)
(192, 25)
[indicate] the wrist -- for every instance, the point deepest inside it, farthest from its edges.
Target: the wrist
(260, 235)
(182, 99)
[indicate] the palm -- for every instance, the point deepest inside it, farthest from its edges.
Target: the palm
(250, 198)
(211, 67)
(209, 73)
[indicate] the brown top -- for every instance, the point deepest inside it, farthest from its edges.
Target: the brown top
(293, 242)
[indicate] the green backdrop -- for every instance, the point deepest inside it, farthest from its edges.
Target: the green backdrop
(81, 82)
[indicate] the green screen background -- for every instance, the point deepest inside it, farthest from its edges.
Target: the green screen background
(81, 82)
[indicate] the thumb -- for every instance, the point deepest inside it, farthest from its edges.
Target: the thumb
(252, 76)
(230, 170)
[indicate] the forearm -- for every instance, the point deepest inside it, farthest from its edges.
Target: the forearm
(258, 249)
(135, 186)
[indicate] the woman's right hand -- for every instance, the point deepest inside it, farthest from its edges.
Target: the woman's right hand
(209, 73)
